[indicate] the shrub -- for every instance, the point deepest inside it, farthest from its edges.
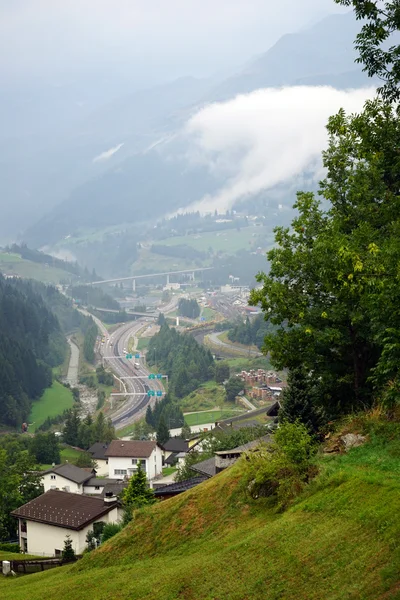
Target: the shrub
(280, 470)
(110, 530)
(5, 547)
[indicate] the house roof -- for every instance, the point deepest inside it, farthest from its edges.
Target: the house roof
(101, 481)
(244, 447)
(130, 449)
(178, 488)
(98, 450)
(176, 444)
(116, 487)
(71, 472)
(63, 509)
(172, 458)
(205, 467)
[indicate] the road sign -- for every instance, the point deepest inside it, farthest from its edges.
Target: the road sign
(137, 355)
(129, 356)
(159, 376)
(152, 376)
(159, 393)
(151, 393)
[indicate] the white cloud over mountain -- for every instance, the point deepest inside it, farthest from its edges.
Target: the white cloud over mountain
(259, 140)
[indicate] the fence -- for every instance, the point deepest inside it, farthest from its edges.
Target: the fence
(38, 564)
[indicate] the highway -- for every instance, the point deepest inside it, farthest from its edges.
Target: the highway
(115, 346)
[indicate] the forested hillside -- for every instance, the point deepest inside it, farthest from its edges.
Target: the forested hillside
(28, 331)
(179, 356)
(34, 319)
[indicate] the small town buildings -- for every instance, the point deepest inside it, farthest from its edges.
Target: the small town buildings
(97, 452)
(173, 489)
(124, 457)
(67, 478)
(44, 523)
(174, 451)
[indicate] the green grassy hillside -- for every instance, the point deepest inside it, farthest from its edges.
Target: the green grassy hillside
(340, 540)
(13, 264)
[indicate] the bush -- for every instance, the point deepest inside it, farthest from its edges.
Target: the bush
(280, 470)
(110, 530)
(5, 547)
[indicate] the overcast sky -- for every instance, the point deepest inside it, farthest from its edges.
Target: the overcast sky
(153, 39)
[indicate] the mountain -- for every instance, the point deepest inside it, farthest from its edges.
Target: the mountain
(145, 183)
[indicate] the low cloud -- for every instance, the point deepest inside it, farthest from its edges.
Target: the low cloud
(265, 138)
(107, 154)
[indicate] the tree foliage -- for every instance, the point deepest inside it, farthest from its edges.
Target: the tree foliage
(378, 51)
(333, 283)
(178, 355)
(189, 308)
(84, 433)
(137, 494)
(233, 386)
(68, 552)
(250, 331)
(280, 469)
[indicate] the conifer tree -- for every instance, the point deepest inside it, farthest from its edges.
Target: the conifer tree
(68, 552)
(163, 434)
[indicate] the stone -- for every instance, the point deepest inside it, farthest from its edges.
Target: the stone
(352, 440)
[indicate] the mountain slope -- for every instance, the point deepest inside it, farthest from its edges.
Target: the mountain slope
(322, 54)
(339, 541)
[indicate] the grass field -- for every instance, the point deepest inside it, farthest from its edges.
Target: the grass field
(67, 454)
(209, 416)
(208, 395)
(338, 541)
(229, 240)
(53, 402)
(168, 471)
(142, 343)
(13, 264)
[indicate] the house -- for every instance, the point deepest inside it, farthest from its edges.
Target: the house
(96, 486)
(124, 457)
(67, 477)
(174, 451)
(173, 489)
(225, 458)
(44, 523)
(97, 452)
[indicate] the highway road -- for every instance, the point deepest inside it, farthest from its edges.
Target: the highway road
(114, 347)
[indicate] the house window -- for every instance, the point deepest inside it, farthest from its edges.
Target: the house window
(23, 526)
(57, 552)
(52, 476)
(96, 487)
(134, 461)
(119, 471)
(106, 462)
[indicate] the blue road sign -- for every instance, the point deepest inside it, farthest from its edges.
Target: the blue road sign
(159, 393)
(137, 355)
(159, 376)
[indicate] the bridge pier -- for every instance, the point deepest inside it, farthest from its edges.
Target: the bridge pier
(134, 285)
(167, 278)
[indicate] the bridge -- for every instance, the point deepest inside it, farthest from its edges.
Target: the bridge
(133, 278)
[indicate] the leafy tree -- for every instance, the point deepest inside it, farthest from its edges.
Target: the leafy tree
(281, 469)
(89, 341)
(45, 448)
(299, 402)
(84, 460)
(19, 483)
(379, 57)
(68, 552)
(233, 386)
(163, 434)
(222, 372)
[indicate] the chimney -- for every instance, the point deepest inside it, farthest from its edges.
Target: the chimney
(109, 498)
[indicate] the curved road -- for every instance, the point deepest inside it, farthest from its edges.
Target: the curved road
(218, 342)
(112, 350)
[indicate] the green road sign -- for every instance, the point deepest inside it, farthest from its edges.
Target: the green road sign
(152, 376)
(129, 356)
